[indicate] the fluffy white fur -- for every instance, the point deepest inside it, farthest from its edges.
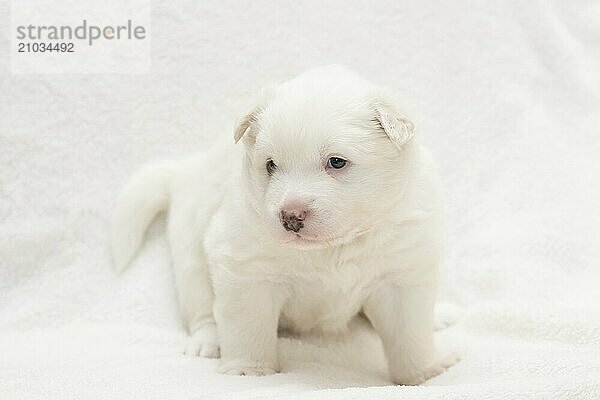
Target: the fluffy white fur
(369, 243)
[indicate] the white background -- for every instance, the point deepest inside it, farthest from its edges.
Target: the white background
(506, 95)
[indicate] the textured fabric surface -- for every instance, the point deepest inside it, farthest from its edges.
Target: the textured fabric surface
(506, 95)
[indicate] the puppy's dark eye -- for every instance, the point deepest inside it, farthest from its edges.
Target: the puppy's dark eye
(336, 162)
(271, 167)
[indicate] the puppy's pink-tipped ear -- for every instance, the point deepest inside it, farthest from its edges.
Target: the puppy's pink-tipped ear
(246, 124)
(396, 126)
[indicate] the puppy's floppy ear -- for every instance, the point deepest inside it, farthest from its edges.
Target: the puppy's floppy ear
(247, 125)
(396, 126)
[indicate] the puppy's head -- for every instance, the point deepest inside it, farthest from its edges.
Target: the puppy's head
(323, 157)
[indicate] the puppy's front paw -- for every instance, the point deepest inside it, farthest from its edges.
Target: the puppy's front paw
(203, 343)
(416, 377)
(248, 368)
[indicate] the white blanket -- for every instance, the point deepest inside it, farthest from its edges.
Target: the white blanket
(506, 95)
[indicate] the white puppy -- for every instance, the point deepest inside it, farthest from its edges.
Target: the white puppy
(328, 209)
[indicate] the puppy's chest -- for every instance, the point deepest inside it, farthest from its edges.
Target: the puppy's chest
(325, 300)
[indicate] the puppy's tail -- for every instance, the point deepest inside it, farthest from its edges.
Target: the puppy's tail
(146, 194)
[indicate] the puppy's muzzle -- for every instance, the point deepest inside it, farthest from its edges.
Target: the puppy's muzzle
(292, 220)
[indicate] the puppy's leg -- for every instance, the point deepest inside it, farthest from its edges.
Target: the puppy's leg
(403, 317)
(194, 288)
(247, 316)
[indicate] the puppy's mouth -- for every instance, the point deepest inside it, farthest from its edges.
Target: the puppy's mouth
(300, 241)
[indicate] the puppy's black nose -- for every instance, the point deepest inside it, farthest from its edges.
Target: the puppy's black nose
(292, 220)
